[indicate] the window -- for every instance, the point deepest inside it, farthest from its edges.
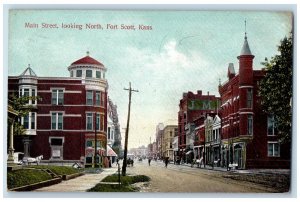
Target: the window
(89, 97)
(273, 149)
(98, 143)
(89, 121)
(250, 125)
(103, 75)
(108, 132)
(98, 74)
(98, 98)
(26, 122)
(33, 95)
(56, 145)
(249, 98)
(57, 121)
(71, 74)
(98, 122)
(32, 126)
(79, 73)
(271, 125)
(89, 143)
(56, 141)
(89, 73)
(26, 93)
(102, 99)
(57, 97)
(102, 124)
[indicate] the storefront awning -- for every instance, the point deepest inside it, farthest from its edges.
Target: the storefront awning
(110, 151)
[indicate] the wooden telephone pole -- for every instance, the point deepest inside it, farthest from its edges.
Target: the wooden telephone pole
(127, 130)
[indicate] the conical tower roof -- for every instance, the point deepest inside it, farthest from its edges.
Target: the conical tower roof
(28, 72)
(246, 49)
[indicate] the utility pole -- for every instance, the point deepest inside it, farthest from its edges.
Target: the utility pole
(127, 130)
(95, 152)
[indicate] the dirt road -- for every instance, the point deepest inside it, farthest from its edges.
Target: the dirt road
(177, 178)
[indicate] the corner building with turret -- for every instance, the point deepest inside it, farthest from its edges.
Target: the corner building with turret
(249, 136)
(69, 116)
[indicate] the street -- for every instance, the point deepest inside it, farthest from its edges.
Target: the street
(179, 178)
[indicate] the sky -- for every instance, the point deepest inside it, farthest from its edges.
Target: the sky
(184, 51)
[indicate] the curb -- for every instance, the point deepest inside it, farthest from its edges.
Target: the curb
(37, 185)
(68, 177)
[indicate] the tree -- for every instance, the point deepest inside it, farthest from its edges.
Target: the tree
(20, 105)
(275, 89)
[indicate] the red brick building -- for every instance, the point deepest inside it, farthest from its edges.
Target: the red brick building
(70, 113)
(248, 134)
(191, 107)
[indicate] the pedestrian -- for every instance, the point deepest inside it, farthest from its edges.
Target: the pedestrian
(149, 161)
(166, 161)
(201, 161)
(109, 163)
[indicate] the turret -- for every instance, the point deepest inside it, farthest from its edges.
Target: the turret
(245, 64)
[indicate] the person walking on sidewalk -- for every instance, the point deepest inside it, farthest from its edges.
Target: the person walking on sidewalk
(149, 161)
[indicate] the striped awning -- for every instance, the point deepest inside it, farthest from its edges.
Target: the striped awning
(110, 151)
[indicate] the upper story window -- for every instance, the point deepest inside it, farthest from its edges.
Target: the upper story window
(271, 125)
(28, 92)
(57, 121)
(103, 75)
(79, 73)
(98, 122)
(71, 73)
(89, 73)
(98, 74)
(249, 98)
(98, 98)
(33, 94)
(250, 125)
(89, 97)
(108, 132)
(57, 97)
(89, 121)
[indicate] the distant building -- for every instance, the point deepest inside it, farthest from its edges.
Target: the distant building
(249, 136)
(212, 126)
(159, 140)
(115, 143)
(70, 114)
(169, 132)
(192, 106)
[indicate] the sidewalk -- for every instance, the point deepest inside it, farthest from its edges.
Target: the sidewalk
(79, 184)
(246, 171)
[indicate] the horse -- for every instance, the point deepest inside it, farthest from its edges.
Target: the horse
(29, 160)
